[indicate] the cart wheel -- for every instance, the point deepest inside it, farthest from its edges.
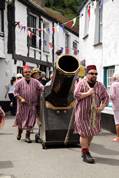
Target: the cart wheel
(44, 146)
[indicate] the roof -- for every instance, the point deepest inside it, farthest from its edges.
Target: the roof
(39, 2)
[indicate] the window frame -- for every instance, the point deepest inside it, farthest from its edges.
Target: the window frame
(1, 22)
(46, 38)
(108, 72)
(75, 47)
(67, 43)
(35, 40)
(98, 23)
(86, 23)
(32, 28)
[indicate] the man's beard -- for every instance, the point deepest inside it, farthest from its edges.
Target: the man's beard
(27, 77)
(92, 81)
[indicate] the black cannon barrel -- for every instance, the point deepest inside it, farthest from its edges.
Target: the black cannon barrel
(62, 85)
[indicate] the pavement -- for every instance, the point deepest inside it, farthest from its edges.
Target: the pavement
(22, 160)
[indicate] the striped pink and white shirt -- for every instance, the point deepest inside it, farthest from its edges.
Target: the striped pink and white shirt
(83, 108)
(114, 95)
(26, 112)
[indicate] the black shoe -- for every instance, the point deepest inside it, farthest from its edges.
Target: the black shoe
(18, 137)
(88, 158)
(28, 140)
(37, 138)
(19, 134)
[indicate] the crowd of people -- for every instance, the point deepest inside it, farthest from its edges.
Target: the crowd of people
(91, 98)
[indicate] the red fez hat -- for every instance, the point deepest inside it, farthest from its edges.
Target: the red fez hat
(26, 67)
(91, 67)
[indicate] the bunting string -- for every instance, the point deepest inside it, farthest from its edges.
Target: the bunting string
(31, 31)
(70, 24)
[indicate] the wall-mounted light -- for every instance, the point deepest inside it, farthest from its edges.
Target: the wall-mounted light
(9, 2)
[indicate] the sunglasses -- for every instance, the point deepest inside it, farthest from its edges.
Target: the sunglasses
(91, 73)
(19, 77)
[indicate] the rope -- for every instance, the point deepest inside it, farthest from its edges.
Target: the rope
(93, 112)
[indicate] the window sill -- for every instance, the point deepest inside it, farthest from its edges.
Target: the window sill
(85, 36)
(1, 34)
(46, 52)
(97, 44)
(35, 49)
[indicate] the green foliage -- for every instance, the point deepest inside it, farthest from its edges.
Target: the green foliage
(68, 7)
(70, 3)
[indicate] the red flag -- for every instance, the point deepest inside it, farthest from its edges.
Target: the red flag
(50, 45)
(67, 51)
(75, 51)
(89, 11)
(69, 24)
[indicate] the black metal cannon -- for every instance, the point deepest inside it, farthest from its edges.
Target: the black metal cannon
(58, 102)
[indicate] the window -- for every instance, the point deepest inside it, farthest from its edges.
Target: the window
(19, 69)
(98, 23)
(1, 22)
(67, 42)
(40, 33)
(34, 23)
(87, 18)
(32, 29)
(2, 7)
(108, 72)
(75, 47)
(45, 36)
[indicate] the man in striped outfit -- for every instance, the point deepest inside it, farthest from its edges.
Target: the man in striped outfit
(91, 98)
(27, 91)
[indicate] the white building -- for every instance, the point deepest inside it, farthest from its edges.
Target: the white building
(30, 34)
(99, 38)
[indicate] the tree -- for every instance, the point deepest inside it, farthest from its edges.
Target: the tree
(65, 6)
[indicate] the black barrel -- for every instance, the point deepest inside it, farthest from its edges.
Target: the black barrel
(62, 85)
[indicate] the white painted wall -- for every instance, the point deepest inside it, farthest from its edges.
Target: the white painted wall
(92, 54)
(21, 35)
(7, 67)
(111, 33)
(106, 54)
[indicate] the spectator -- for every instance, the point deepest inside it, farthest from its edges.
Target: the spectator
(2, 117)
(18, 76)
(114, 96)
(43, 78)
(50, 81)
(36, 74)
(10, 92)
